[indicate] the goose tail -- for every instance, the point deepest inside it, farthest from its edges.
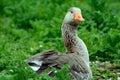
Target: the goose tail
(38, 62)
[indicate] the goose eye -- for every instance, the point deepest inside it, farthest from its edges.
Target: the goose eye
(71, 11)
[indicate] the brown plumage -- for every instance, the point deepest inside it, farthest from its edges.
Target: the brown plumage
(76, 55)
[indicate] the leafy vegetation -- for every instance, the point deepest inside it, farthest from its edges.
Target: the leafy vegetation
(31, 26)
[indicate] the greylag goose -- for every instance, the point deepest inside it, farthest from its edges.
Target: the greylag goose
(76, 55)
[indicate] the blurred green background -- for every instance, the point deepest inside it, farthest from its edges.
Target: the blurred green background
(31, 26)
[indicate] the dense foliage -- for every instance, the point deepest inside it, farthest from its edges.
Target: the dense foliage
(31, 26)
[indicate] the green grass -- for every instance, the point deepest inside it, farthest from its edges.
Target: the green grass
(28, 27)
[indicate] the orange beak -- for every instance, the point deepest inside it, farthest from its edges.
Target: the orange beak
(78, 17)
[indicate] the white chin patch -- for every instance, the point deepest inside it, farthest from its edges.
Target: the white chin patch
(35, 68)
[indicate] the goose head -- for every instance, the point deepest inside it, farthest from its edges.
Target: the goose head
(73, 16)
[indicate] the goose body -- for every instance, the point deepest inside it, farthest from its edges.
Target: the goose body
(76, 51)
